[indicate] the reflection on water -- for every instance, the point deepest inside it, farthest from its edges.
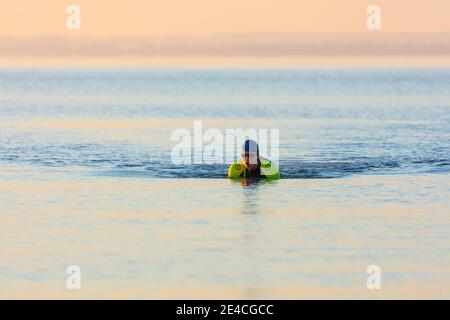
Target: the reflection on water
(275, 239)
(250, 196)
(250, 193)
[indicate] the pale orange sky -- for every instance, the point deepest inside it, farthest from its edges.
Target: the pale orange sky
(111, 18)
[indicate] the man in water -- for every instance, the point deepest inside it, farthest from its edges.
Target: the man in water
(252, 165)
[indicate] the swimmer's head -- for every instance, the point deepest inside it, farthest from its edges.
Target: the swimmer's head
(250, 154)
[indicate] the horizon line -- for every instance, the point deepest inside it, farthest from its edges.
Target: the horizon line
(232, 45)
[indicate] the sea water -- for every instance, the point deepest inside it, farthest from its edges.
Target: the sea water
(87, 179)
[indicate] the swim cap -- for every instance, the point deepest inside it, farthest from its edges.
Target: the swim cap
(250, 146)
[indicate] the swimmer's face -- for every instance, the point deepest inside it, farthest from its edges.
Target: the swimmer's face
(250, 159)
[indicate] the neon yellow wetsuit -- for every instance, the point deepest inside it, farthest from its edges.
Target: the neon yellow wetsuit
(268, 170)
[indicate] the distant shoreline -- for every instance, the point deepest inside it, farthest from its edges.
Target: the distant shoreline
(260, 50)
(228, 62)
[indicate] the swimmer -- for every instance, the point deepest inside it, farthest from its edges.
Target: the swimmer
(252, 165)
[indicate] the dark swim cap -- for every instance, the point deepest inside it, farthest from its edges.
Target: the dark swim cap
(250, 146)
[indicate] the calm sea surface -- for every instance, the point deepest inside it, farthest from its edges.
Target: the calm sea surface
(86, 178)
